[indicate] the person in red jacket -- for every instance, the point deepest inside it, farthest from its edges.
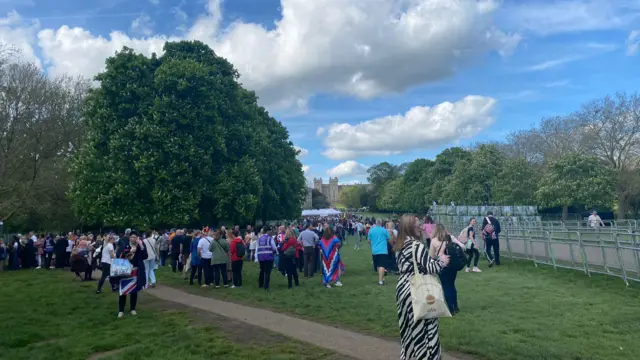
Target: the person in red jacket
(290, 257)
(236, 258)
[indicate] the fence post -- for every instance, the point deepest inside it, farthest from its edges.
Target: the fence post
(620, 260)
(636, 245)
(604, 251)
(509, 246)
(583, 254)
(573, 256)
(550, 251)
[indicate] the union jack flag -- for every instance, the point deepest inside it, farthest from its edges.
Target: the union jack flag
(129, 285)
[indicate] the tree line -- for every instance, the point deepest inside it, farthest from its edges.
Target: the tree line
(587, 159)
(171, 140)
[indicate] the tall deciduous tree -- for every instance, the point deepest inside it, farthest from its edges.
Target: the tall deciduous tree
(517, 183)
(41, 125)
(176, 140)
(577, 179)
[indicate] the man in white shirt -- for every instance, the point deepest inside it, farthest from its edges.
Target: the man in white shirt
(594, 220)
(205, 255)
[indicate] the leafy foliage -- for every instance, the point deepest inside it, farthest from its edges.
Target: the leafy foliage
(319, 200)
(176, 140)
(577, 179)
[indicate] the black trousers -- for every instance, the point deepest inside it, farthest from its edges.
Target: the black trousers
(289, 264)
(122, 301)
(174, 261)
(194, 269)
(309, 261)
(163, 257)
(47, 259)
(495, 245)
(206, 269)
(106, 269)
(448, 280)
(218, 271)
(236, 270)
(474, 254)
(265, 274)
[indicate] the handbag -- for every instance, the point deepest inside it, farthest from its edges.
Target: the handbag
(427, 297)
(469, 244)
(120, 268)
(155, 254)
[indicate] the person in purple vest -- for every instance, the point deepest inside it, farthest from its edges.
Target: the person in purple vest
(264, 255)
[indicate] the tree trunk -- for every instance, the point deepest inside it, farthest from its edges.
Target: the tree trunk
(622, 206)
(565, 212)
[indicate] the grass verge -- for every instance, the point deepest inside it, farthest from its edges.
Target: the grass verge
(46, 315)
(512, 312)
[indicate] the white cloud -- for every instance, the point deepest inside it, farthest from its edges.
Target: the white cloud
(419, 128)
(302, 151)
(306, 168)
(15, 32)
(361, 48)
(142, 25)
(154, 2)
(348, 169)
(551, 17)
(321, 130)
(546, 65)
(633, 42)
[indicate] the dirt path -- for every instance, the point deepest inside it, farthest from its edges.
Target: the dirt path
(341, 341)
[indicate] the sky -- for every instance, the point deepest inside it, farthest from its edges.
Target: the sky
(358, 82)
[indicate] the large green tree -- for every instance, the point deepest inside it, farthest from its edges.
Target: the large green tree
(577, 179)
(176, 140)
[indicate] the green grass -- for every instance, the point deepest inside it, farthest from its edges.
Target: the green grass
(514, 312)
(45, 315)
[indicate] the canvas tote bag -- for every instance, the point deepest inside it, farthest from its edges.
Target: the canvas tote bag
(427, 296)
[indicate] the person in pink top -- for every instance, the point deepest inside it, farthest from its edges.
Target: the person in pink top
(428, 228)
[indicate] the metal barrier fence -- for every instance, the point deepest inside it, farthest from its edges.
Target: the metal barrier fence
(612, 250)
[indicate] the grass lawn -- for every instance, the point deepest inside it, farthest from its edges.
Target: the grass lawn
(45, 315)
(512, 312)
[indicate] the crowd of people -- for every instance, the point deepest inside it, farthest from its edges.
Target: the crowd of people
(215, 258)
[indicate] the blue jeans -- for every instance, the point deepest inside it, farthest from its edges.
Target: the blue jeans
(149, 268)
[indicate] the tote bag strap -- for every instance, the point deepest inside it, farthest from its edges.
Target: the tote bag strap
(415, 258)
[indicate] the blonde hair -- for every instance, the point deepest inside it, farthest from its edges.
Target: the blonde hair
(289, 234)
(439, 232)
(407, 228)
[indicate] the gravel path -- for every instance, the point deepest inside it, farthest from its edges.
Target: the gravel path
(345, 342)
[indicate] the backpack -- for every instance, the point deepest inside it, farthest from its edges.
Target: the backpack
(489, 229)
(457, 258)
(241, 250)
(463, 235)
(290, 252)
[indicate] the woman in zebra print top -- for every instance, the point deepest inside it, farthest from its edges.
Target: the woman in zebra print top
(420, 339)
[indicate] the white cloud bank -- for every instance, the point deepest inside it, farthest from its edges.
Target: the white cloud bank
(633, 43)
(348, 169)
(361, 48)
(302, 152)
(422, 127)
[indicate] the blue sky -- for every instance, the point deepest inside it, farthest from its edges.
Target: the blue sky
(330, 68)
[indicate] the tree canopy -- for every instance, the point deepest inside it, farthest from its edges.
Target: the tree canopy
(176, 140)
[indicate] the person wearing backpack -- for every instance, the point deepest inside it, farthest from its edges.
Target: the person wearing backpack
(468, 238)
(442, 243)
(491, 236)
(289, 257)
(220, 250)
(238, 250)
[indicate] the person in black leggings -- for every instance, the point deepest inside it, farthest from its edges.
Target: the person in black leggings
(472, 251)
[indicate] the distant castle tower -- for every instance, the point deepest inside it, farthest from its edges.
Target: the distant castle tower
(329, 190)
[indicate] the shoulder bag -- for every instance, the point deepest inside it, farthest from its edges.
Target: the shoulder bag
(427, 297)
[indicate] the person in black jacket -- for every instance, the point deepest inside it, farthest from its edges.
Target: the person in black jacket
(135, 252)
(491, 237)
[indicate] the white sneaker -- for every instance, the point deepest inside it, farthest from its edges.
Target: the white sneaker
(338, 284)
(380, 282)
(233, 286)
(475, 269)
(328, 286)
(38, 268)
(120, 315)
(133, 313)
(467, 270)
